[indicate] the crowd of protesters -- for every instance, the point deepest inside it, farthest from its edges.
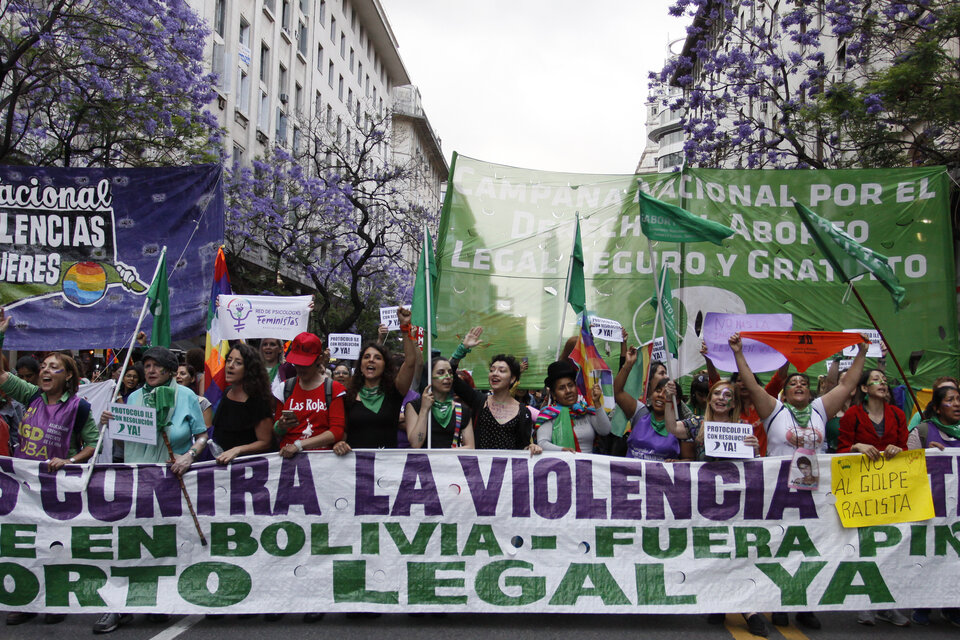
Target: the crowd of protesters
(289, 400)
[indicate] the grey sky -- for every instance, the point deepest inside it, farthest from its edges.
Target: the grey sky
(556, 85)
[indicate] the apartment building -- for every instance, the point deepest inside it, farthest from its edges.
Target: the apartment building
(283, 63)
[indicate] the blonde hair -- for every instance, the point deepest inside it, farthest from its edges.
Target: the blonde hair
(735, 406)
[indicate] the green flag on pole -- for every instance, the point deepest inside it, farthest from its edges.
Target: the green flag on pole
(419, 306)
(664, 295)
(577, 289)
(159, 297)
(848, 257)
(662, 221)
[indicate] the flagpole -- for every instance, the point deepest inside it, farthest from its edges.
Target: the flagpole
(428, 338)
(566, 288)
(126, 361)
(876, 326)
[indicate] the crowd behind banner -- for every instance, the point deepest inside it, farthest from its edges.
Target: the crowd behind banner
(290, 398)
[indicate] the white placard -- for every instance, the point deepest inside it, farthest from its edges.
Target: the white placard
(133, 423)
(243, 54)
(845, 364)
(344, 346)
(604, 329)
(388, 316)
(659, 350)
(873, 352)
(725, 439)
(244, 317)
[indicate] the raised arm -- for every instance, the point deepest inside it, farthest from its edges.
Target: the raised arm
(713, 376)
(764, 402)
(673, 425)
(833, 400)
(411, 355)
(626, 401)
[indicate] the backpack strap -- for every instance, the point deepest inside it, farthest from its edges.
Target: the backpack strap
(288, 385)
(328, 390)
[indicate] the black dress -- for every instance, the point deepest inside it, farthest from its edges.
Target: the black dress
(235, 423)
(369, 430)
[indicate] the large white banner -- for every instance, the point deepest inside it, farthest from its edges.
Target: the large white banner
(244, 317)
(453, 530)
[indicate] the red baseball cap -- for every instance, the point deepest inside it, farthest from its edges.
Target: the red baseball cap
(305, 350)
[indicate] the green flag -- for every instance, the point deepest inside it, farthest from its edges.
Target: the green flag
(419, 306)
(577, 289)
(669, 316)
(848, 257)
(159, 297)
(662, 221)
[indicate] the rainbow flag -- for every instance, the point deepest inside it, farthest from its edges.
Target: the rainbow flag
(593, 369)
(636, 385)
(216, 350)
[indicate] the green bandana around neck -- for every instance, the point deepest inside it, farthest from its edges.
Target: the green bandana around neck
(372, 398)
(442, 411)
(162, 398)
(802, 416)
(272, 372)
(660, 426)
(952, 430)
(562, 435)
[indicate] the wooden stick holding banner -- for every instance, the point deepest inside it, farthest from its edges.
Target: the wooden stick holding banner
(903, 376)
(88, 473)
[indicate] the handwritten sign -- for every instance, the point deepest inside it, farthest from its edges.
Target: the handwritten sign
(718, 327)
(874, 351)
(883, 491)
(725, 439)
(344, 346)
(133, 424)
(388, 316)
(604, 329)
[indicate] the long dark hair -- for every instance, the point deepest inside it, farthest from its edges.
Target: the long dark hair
(860, 397)
(137, 368)
(255, 382)
(387, 380)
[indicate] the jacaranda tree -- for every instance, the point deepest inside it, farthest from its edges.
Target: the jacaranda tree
(818, 83)
(94, 82)
(334, 215)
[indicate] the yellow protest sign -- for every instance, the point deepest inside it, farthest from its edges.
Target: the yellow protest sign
(884, 491)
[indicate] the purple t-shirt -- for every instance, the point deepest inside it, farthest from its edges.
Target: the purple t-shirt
(644, 443)
(935, 435)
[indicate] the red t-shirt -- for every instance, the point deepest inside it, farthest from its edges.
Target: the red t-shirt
(313, 415)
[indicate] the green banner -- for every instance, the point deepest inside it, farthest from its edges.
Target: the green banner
(506, 234)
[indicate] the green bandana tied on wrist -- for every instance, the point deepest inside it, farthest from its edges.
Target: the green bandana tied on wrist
(442, 411)
(372, 398)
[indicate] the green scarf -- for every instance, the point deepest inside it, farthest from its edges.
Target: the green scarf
(372, 398)
(660, 426)
(563, 430)
(272, 372)
(163, 398)
(952, 430)
(442, 411)
(802, 416)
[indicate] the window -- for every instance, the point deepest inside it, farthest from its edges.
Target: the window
(298, 98)
(322, 11)
(282, 82)
(219, 66)
(329, 116)
(281, 127)
(264, 63)
(367, 90)
(237, 154)
(263, 116)
(351, 59)
(318, 105)
(269, 6)
(297, 139)
(340, 90)
(219, 17)
(349, 100)
(243, 44)
(333, 30)
(330, 74)
(243, 91)
(285, 15)
(320, 58)
(302, 39)
(343, 46)
(359, 71)
(339, 127)
(304, 7)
